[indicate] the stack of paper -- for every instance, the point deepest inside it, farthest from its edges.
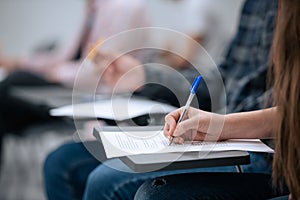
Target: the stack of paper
(115, 109)
(122, 143)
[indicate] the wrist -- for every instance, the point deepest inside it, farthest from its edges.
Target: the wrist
(225, 133)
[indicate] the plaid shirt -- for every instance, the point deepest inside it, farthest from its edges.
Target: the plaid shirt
(245, 66)
(247, 60)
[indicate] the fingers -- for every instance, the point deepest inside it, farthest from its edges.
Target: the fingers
(171, 122)
(186, 125)
(166, 130)
(175, 114)
(106, 68)
(104, 60)
(172, 128)
(193, 127)
(178, 140)
(106, 55)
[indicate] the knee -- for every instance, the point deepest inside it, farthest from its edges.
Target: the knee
(151, 190)
(93, 181)
(55, 165)
(102, 183)
(50, 165)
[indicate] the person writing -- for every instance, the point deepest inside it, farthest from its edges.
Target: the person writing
(71, 169)
(280, 122)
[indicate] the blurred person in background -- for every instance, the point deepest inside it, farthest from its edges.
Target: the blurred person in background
(107, 18)
(104, 19)
(207, 22)
(59, 68)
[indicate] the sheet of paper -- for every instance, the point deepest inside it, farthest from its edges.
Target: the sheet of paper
(118, 144)
(115, 109)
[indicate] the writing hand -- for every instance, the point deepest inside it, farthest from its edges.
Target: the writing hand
(195, 126)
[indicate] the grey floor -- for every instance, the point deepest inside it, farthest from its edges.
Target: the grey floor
(23, 157)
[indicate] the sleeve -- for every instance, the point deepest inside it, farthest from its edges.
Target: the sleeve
(252, 94)
(198, 17)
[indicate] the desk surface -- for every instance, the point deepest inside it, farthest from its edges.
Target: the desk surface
(188, 160)
(53, 96)
(173, 161)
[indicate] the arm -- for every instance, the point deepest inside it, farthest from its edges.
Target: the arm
(187, 53)
(254, 124)
(200, 125)
(127, 74)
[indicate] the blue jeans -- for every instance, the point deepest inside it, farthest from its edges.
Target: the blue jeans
(71, 170)
(66, 171)
(210, 185)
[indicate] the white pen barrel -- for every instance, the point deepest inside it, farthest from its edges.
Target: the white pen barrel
(188, 103)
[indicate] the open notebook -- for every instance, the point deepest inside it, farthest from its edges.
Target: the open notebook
(118, 109)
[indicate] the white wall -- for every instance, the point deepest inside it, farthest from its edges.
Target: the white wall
(26, 24)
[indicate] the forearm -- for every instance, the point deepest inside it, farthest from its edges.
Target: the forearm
(41, 63)
(256, 124)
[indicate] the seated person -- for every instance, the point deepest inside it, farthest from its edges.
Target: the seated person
(281, 121)
(59, 68)
(72, 171)
(211, 23)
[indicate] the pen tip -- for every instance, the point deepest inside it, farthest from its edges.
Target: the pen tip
(171, 140)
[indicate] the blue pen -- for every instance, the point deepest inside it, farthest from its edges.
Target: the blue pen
(194, 88)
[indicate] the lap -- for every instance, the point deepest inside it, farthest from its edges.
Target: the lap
(111, 178)
(66, 170)
(17, 113)
(114, 179)
(209, 186)
(26, 78)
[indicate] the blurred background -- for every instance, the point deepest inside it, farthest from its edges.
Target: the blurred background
(40, 26)
(28, 27)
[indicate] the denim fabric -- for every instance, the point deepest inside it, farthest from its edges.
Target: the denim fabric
(286, 197)
(69, 168)
(206, 186)
(66, 171)
(17, 113)
(123, 183)
(110, 184)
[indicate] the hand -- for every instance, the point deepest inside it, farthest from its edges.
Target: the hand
(63, 73)
(198, 125)
(174, 61)
(122, 73)
(9, 64)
